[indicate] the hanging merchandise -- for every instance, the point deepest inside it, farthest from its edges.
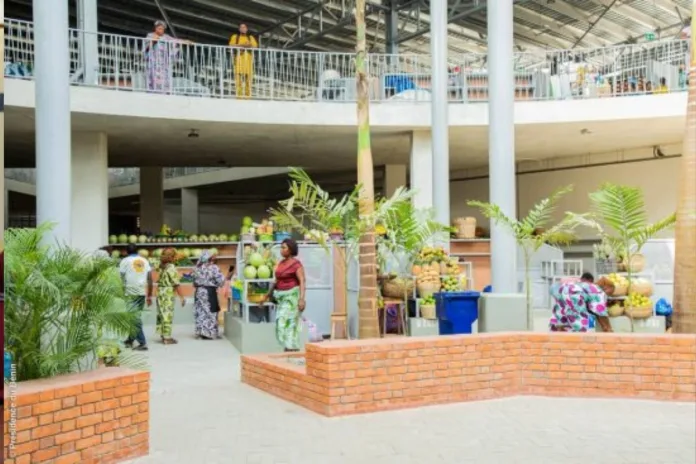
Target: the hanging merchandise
(663, 307)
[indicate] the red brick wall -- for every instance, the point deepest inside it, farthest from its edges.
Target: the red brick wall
(100, 416)
(346, 377)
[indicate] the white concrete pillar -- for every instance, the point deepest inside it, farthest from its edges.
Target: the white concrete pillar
(90, 190)
(52, 114)
(394, 177)
(151, 199)
(189, 210)
(87, 23)
(501, 143)
(422, 169)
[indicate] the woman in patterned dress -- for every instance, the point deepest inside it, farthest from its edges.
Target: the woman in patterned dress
(577, 303)
(160, 50)
(167, 285)
(288, 290)
(207, 279)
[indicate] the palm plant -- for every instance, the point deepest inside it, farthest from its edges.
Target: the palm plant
(368, 294)
(310, 209)
(408, 231)
(684, 318)
(532, 232)
(619, 216)
(64, 308)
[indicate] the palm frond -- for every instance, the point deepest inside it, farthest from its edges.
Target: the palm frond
(541, 213)
(495, 214)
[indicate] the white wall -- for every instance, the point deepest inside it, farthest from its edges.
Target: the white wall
(656, 177)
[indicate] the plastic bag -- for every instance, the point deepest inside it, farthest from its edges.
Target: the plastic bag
(313, 333)
(663, 308)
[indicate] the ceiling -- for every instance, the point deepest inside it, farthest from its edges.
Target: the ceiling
(329, 25)
(165, 142)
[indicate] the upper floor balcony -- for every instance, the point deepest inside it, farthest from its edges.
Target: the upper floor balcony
(172, 67)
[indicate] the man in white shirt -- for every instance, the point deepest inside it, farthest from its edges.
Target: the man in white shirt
(136, 273)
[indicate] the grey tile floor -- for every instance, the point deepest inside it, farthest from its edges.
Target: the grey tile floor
(202, 414)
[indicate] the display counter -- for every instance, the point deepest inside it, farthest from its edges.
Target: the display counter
(250, 325)
(477, 252)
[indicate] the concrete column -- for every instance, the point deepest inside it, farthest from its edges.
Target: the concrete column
(151, 199)
(87, 23)
(440, 97)
(189, 210)
(422, 169)
(90, 190)
(501, 142)
(53, 158)
(394, 177)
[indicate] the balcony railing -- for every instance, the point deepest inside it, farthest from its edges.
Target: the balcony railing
(177, 68)
(117, 176)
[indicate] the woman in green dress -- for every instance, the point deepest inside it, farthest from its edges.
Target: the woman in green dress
(289, 294)
(167, 285)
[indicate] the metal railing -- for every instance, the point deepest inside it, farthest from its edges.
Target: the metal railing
(174, 67)
(118, 177)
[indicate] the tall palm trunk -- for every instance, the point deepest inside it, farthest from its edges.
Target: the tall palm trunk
(684, 318)
(367, 258)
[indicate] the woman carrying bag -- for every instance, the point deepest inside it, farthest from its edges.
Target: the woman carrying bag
(207, 280)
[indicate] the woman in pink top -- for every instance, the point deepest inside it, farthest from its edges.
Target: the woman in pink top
(288, 290)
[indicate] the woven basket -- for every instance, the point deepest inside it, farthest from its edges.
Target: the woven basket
(427, 289)
(620, 290)
(466, 228)
(642, 288)
(615, 310)
(637, 264)
(428, 312)
(256, 298)
(639, 312)
(397, 288)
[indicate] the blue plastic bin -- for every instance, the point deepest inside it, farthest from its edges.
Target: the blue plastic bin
(456, 311)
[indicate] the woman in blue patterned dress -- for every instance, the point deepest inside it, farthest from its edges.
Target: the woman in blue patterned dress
(578, 303)
(207, 280)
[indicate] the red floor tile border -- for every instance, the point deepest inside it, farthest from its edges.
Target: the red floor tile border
(359, 376)
(101, 416)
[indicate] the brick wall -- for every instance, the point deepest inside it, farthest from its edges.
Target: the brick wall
(100, 416)
(348, 377)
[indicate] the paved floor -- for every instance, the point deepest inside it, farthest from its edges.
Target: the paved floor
(202, 414)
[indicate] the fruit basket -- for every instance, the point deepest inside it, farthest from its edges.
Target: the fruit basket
(637, 264)
(639, 312)
(615, 310)
(256, 298)
(396, 287)
(427, 289)
(642, 287)
(428, 311)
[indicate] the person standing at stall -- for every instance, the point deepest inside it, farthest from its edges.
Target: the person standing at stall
(167, 285)
(207, 280)
(243, 42)
(288, 290)
(136, 274)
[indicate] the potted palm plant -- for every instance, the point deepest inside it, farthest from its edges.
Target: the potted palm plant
(64, 309)
(620, 218)
(533, 231)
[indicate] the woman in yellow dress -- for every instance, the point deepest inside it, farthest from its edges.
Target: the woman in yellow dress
(243, 60)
